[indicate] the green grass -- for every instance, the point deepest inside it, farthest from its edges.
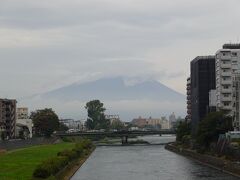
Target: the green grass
(20, 164)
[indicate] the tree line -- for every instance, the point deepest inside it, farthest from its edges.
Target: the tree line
(46, 120)
(208, 130)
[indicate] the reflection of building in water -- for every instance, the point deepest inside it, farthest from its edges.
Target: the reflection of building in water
(72, 124)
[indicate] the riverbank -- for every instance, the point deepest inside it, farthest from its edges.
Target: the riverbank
(20, 163)
(73, 167)
(219, 163)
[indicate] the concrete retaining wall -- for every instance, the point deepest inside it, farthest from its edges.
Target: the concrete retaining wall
(215, 162)
(16, 144)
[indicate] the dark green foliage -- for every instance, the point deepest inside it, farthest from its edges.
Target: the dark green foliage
(117, 125)
(183, 129)
(62, 127)
(96, 118)
(67, 139)
(3, 135)
(53, 165)
(45, 122)
(211, 127)
(70, 154)
(50, 167)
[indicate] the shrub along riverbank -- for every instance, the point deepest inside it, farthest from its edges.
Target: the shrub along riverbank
(55, 165)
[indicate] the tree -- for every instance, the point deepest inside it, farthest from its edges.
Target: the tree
(183, 128)
(117, 125)
(45, 121)
(63, 127)
(96, 118)
(3, 135)
(211, 127)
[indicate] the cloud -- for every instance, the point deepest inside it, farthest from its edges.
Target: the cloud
(48, 44)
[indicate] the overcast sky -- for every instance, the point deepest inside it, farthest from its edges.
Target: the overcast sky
(52, 43)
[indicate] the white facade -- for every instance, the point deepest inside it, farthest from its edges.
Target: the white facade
(227, 64)
(27, 123)
(22, 113)
(236, 98)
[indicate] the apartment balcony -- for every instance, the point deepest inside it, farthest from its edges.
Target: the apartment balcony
(226, 74)
(226, 82)
(226, 57)
(229, 107)
(229, 90)
(226, 66)
(226, 99)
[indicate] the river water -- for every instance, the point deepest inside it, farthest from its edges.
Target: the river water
(144, 163)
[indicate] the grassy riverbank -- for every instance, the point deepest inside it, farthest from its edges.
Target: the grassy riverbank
(20, 164)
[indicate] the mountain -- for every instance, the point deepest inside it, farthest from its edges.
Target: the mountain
(115, 89)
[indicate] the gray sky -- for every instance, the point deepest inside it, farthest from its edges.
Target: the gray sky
(51, 43)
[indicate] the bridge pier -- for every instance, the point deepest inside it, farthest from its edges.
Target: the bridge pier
(124, 140)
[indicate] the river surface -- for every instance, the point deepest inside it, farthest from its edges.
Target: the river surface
(144, 163)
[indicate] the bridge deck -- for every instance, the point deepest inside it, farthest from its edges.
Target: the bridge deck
(118, 133)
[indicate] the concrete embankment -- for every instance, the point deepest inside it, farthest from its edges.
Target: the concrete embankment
(71, 168)
(211, 161)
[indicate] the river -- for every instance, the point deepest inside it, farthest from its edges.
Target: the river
(144, 163)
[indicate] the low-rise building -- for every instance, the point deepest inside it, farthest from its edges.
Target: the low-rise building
(139, 122)
(22, 113)
(24, 128)
(152, 123)
(72, 124)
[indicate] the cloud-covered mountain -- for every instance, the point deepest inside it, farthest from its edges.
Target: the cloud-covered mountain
(129, 100)
(114, 89)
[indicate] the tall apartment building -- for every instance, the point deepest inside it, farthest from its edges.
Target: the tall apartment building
(227, 64)
(8, 116)
(203, 79)
(236, 100)
(188, 99)
(22, 113)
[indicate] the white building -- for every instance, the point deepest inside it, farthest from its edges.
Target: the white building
(227, 64)
(236, 99)
(24, 125)
(72, 124)
(22, 113)
(172, 120)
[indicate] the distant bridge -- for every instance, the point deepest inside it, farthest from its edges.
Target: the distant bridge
(124, 135)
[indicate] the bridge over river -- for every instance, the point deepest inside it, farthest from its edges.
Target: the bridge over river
(124, 135)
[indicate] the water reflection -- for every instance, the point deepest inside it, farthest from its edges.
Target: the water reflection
(144, 163)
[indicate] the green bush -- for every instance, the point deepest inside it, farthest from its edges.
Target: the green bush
(50, 167)
(67, 139)
(53, 165)
(70, 154)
